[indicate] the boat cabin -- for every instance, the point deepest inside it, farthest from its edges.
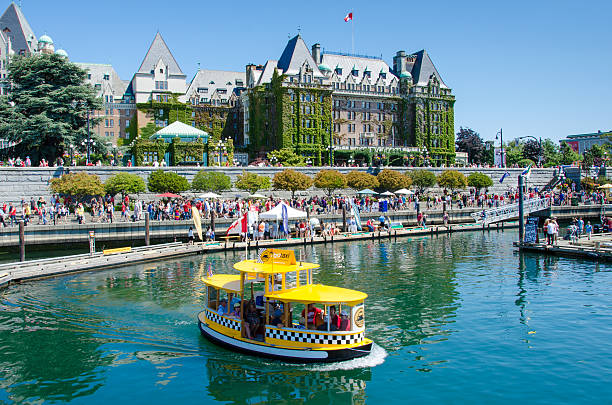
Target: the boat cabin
(274, 301)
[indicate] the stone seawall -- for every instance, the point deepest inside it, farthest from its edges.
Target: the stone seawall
(17, 183)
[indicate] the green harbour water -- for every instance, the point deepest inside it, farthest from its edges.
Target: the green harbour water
(460, 318)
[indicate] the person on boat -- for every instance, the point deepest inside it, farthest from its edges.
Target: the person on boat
(334, 320)
(345, 323)
(315, 316)
(222, 310)
(277, 317)
(251, 320)
(236, 311)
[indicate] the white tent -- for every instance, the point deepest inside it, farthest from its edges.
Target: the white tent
(256, 196)
(404, 191)
(388, 194)
(276, 213)
(209, 195)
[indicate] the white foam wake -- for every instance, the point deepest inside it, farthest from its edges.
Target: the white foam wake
(376, 357)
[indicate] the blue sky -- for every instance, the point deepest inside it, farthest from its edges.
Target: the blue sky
(539, 68)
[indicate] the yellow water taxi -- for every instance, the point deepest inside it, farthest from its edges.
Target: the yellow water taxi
(272, 309)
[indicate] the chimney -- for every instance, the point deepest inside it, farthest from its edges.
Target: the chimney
(316, 53)
(399, 62)
(250, 80)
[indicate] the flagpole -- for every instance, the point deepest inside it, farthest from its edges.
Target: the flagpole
(352, 34)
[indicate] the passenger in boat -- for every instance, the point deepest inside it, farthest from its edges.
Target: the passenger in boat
(277, 317)
(236, 311)
(252, 320)
(334, 320)
(345, 323)
(315, 316)
(222, 310)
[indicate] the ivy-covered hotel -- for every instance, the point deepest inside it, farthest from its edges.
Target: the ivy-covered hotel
(327, 106)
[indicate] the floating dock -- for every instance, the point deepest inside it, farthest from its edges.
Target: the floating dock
(598, 248)
(51, 267)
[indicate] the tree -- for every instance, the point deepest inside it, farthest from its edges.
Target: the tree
(531, 150)
(290, 180)
(422, 179)
(567, 154)
(452, 179)
(78, 185)
(468, 140)
(124, 183)
(513, 152)
(392, 180)
(50, 103)
(286, 157)
(479, 180)
(167, 182)
(252, 182)
(330, 180)
(550, 150)
(211, 181)
(595, 156)
(525, 163)
(360, 180)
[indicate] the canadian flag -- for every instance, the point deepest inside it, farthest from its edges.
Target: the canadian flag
(238, 226)
(348, 17)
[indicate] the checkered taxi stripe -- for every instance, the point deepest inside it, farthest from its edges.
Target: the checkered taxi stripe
(228, 323)
(315, 338)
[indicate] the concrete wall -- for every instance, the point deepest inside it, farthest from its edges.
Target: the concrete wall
(17, 183)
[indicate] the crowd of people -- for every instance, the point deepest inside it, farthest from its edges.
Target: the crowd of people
(58, 209)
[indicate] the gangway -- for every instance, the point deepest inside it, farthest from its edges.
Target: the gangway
(506, 212)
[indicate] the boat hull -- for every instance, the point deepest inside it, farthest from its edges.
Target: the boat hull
(283, 353)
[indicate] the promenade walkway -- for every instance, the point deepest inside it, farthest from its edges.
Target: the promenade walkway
(599, 247)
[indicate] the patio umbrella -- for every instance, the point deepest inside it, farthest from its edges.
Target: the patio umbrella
(169, 195)
(367, 191)
(256, 196)
(209, 195)
(388, 194)
(404, 191)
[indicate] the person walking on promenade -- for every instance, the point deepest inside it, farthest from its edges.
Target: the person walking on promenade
(588, 229)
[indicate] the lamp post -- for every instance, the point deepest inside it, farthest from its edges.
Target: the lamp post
(87, 144)
(88, 137)
(500, 133)
(220, 146)
(331, 149)
(351, 161)
(308, 162)
(273, 160)
(539, 142)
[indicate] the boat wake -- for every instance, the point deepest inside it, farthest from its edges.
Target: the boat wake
(375, 358)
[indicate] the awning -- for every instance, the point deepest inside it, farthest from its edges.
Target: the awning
(228, 282)
(321, 294)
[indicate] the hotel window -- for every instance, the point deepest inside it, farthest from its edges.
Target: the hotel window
(106, 123)
(127, 123)
(112, 123)
(106, 77)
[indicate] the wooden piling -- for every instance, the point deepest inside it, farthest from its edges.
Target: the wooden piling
(21, 241)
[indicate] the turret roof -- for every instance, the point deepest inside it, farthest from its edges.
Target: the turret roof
(159, 50)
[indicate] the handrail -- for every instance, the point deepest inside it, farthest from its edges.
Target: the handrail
(509, 211)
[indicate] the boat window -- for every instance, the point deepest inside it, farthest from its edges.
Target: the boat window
(290, 280)
(304, 277)
(213, 296)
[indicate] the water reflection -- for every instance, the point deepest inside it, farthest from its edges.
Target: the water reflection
(237, 383)
(49, 352)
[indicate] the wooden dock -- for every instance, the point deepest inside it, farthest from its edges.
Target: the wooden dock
(43, 268)
(598, 248)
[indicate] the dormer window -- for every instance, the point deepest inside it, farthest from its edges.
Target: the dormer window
(339, 71)
(355, 72)
(211, 82)
(367, 74)
(383, 75)
(106, 77)
(161, 70)
(229, 83)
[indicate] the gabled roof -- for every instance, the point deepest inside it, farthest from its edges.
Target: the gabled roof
(98, 71)
(221, 78)
(295, 54)
(423, 69)
(267, 72)
(159, 50)
(21, 34)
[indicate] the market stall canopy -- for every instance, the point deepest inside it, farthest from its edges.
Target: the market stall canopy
(169, 195)
(606, 186)
(276, 213)
(404, 191)
(367, 191)
(388, 193)
(256, 196)
(209, 195)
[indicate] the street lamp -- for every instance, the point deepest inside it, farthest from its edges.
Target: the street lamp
(87, 143)
(221, 148)
(500, 134)
(331, 149)
(308, 162)
(538, 141)
(351, 161)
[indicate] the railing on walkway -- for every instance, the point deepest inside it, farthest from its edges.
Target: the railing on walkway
(510, 211)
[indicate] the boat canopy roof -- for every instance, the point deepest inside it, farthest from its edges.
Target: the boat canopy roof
(252, 266)
(318, 293)
(229, 282)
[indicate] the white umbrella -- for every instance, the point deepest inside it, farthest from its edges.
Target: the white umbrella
(256, 196)
(209, 195)
(367, 191)
(404, 191)
(387, 193)
(276, 213)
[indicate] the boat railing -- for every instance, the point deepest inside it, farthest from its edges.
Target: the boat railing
(315, 337)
